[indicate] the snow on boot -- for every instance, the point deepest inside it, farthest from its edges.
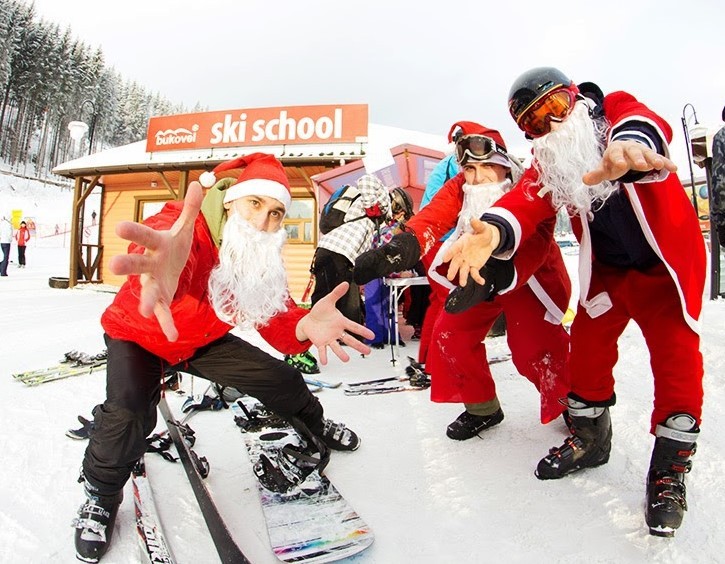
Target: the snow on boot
(666, 495)
(94, 525)
(588, 447)
(467, 425)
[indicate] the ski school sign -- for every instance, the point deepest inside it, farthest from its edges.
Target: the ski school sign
(294, 125)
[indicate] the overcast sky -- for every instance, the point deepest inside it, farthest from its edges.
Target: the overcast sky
(416, 67)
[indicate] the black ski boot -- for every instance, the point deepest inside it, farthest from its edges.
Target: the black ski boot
(338, 437)
(94, 525)
(588, 447)
(666, 501)
(467, 425)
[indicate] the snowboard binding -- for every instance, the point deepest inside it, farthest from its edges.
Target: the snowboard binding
(287, 467)
(416, 374)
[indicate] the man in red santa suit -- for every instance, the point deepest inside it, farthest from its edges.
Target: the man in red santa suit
(642, 258)
(193, 277)
(532, 290)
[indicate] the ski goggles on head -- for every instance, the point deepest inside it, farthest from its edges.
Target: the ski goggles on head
(536, 120)
(479, 148)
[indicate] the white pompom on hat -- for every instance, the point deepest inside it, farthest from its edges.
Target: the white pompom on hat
(263, 175)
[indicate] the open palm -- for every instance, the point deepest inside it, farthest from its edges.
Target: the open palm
(162, 262)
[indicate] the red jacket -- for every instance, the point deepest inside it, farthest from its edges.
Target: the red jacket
(22, 236)
(663, 211)
(538, 262)
(192, 311)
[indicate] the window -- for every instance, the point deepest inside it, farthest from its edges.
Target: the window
(146, 206)
(299, 221)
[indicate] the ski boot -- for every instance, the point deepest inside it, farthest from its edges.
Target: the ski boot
(338, 437)
(304, 362)
(666, 501)
(94, 525)
(467, 425)
(587, 447)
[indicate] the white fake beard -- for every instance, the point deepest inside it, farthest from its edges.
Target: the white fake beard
(563, 156)
(477, 198)
(249, 285)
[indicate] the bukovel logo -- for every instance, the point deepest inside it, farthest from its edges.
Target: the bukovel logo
(178, 136)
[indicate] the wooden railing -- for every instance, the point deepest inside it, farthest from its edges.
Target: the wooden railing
(88, 264)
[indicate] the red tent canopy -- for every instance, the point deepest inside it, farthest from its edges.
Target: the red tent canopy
(413, 165)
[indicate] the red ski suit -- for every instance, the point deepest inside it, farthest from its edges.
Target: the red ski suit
(534, 306)
(665, 300)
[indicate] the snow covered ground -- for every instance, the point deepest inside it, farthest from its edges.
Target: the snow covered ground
(427, 498)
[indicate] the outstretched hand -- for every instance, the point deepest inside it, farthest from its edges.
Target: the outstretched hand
(622, 156)
(468, 255)
(325, 326)
(162, 262)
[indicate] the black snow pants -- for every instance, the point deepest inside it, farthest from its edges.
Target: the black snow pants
(330, 270)
(133, 388)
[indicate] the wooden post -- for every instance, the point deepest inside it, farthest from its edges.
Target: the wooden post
(74, 233)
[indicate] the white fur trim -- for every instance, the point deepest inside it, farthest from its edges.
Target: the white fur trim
(259, 187)
(506, 215)
(207, 179)
(648, 121)
(694, 324)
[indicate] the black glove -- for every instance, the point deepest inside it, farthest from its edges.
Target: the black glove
(402, 253)
(497, 273)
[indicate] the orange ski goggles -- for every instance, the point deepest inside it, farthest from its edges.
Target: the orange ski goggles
(536, 120)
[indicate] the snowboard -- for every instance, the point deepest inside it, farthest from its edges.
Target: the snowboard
(308, 520)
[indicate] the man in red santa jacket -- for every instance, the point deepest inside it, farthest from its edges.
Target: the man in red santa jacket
(193, 278)
(532, 290)
(642, 258)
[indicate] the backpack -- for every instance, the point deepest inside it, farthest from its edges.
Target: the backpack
(333, 212)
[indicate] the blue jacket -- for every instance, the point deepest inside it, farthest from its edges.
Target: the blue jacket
(442, 173)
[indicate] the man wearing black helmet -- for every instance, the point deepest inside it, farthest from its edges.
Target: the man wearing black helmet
(642, 258)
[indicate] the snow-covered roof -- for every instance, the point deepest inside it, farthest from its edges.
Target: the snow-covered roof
(134, 158)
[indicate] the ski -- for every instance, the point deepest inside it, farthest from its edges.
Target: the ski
(321, 383)
(225, 544)
(58, 372)
(74, 363)
(152, 542)
(373, 389)
(415, 378)
(499, 358)
(378, 381)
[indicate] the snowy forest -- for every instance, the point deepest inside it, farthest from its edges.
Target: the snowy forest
(50, 78)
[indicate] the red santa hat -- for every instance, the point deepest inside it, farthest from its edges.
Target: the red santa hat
(263, 175)
(463, 128)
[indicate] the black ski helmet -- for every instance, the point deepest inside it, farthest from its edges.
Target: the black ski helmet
(533, 85)
(401, 201)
